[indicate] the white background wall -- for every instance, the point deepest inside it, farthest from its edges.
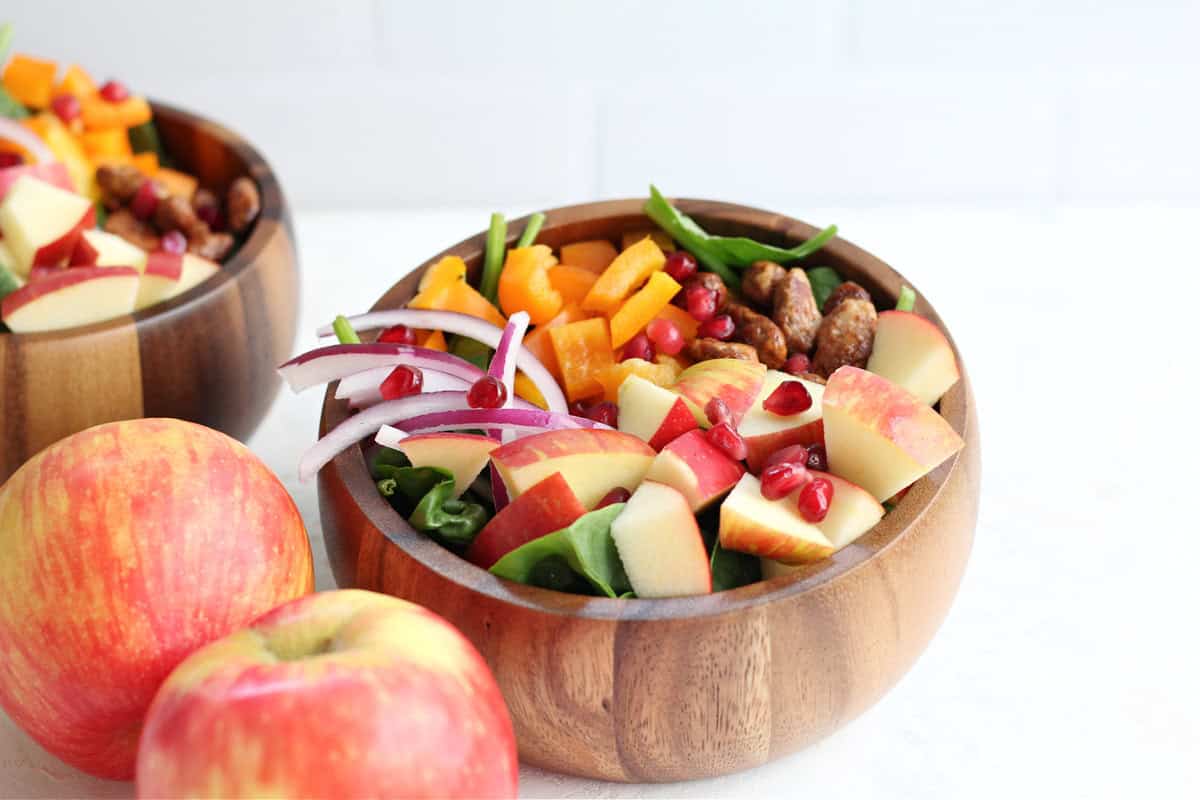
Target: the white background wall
(370, 103)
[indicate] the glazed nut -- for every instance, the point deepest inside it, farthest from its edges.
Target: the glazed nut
(242, 204)
(845, 337)
(795, 311)
(708, 348)
(759, 332)
(176, 214)
(123, 223)
(842, 292)
(759, 282)
(118, 183)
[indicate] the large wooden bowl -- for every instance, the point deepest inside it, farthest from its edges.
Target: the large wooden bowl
(665, 690)
(208, 356)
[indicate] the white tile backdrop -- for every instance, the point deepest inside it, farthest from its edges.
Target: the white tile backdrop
(371, 103)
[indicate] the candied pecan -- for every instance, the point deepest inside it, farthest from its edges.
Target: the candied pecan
(118, 183)
(707, 348)
(213, 246)
(844, 290)
(176, 214)
(845, 336)
(123, 223)
(711, 281)
(760, 333)
(795, 311)
(759, 281)
(242, 204)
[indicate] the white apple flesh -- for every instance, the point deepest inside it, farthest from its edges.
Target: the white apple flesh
(659, 544)
(750, 523)
(463, 454)
(72, 297)
(911, 352)
(766, 432)
(169, 275)
(700, 471)
(653, 414)
(101, 249)
(41, 223)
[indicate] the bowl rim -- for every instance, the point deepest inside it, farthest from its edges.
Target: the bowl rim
(272, 205)
(350, 466)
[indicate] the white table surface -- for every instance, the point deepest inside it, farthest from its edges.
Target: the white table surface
(1069, 664)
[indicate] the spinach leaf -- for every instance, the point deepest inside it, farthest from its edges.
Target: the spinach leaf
(587, 547)
(691, 236)
(10, 107)
(426, 496)
(824, 280)
(731, 569)
(741, 252)
(554, 572)
(477, 353)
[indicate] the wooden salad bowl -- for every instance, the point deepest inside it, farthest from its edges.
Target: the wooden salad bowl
(208, 356)
(682, 688)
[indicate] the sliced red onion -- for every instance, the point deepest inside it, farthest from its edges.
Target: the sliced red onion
(19, 134)
(504, 363)
(369, 421)
(325, 364)
(464, 325)
(390, 437)
(521, 420)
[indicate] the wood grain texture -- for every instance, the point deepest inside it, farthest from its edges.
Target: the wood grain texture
(682, 688)
(207, 356)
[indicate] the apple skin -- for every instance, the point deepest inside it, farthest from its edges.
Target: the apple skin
(338, 694)
(879, 435)
(126, 547)
(698, 470)
(651, 413)
(548, 506)
(593, 462)
(750, 523)
(735, 381)
(42, 222)
(913, 353)
(54, 173)
(463, 454)
(765, 433)
(64, 298)
(101, 249)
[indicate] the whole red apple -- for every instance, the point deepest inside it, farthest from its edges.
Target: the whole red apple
(338, 694)
(123, 549)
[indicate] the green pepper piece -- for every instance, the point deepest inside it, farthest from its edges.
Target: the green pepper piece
(586, 545)
(493, 257)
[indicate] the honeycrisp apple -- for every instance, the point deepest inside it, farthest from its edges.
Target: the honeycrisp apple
(126, 547)
(750, 523)
(911, 352)
(697, 469)
(653, 414)
(852, 512)
(100, 249)
(340, 694)
(546, 507)
(169, 275)
(593, 462)
(735, 381)
(463, 454)
(70, 297)
(659, 544)
(765, 432)
(54, 173)
(41, 223)
(881, 436)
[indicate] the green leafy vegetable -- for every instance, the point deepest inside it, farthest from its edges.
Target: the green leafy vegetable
(691, 236)
(532, 229)
(6, 37)
(474, 351)
(493, 257)
(740, 251)
(554, 572)
(824, 280)
(101, 215)
(144, 139)
(731, 569)
(428, 492)
(8, 282)
(906, 300)
(587, 547)
(10, 107)
(345, 331)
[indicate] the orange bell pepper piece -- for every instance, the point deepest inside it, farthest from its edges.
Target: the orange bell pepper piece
(109, 144)
(573, 283)
(75, 81)
(687, 324)
(447, 270)
(583, 349)
(625, 274)
(594, 255)
(434, 340)
(30, 81)
(636, 312)
(661, 238)
(459, 296)
(613, 376)
(526, 389)
(525, 284)
(537, 341)
(98, 113)
(147, 163)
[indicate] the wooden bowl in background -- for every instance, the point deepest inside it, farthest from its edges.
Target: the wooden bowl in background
(208, 356)
(682, 688)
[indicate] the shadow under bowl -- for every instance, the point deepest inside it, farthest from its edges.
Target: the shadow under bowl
(692, 687)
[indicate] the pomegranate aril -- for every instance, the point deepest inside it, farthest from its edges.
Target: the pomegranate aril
(726, 439)
(792, 454)
(789, 397)
(617, 495)
(639, 346)
(145, 201)
(796, 365)
(665, 336)
(701, 302)
(604, 412)
(717, 411)
(399, 334)
(402, 382)
(114, 91)
(817, 459)
(719, 327)
(780, 480)
(10, 159)
(579, 409)
(173, 242)
(487, 392)
(814, 499)
(209, 214)
(66, 107)
(680, 265)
